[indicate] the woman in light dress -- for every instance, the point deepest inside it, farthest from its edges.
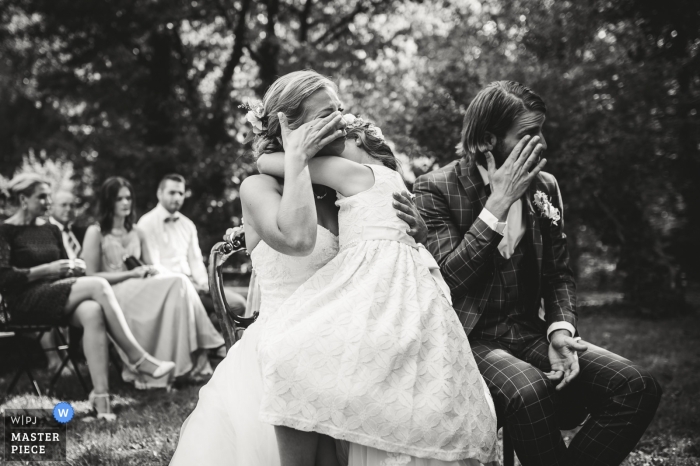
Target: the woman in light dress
(224, 427)
(163, 310)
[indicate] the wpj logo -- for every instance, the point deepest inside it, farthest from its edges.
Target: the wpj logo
(36, 434)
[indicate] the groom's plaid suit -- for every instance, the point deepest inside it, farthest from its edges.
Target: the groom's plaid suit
(498, 301)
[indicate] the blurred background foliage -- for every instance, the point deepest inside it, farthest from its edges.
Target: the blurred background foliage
(141, 88)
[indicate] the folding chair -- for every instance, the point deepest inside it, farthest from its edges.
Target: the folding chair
(232, 325)
(35, 332)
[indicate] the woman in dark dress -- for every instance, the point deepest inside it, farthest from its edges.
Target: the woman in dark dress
(42, 286)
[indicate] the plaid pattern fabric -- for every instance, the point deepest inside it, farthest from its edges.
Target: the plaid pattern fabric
(620, 397)
(450, 200)
(508, 302)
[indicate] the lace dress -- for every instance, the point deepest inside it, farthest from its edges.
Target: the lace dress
(224, 428)
(369, 349)
(23, 247)
(164, 313)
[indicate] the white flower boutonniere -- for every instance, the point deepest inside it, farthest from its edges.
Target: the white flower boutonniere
(546, 208)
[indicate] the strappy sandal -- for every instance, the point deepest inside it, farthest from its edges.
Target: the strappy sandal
(92, 397)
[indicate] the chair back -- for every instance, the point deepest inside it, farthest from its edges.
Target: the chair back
(232, 325)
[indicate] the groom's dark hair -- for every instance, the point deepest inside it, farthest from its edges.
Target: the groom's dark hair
(493, 110)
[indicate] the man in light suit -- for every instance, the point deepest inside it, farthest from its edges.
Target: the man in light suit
(173, 243)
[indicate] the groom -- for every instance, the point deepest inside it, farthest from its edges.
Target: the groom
(495, 225)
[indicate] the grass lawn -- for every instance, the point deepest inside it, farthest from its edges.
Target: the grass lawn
(149, 421)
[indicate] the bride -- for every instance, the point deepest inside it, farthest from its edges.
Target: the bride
(290, 234)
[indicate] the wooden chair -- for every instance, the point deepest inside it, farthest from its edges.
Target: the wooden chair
(35, 332)
(232, 325)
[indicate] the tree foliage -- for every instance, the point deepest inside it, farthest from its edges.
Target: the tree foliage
(141, 88)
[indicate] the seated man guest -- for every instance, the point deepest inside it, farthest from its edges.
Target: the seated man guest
(172, 240)
(63, 216)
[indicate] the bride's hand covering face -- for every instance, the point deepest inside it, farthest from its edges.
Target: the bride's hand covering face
(302, 97)
(308, 139)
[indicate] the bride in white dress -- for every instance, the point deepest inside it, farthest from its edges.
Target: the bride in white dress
(288, 234)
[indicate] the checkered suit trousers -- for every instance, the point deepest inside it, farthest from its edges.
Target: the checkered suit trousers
(512, 352)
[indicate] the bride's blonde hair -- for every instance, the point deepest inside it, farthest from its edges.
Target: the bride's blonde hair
(287, 95)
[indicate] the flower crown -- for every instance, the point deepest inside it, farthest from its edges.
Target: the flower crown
(351, 122)
(256, 116)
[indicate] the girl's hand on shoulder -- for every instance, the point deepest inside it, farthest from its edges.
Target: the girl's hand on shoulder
(309, 138)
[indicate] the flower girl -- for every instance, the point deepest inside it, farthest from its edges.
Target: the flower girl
(369, 349)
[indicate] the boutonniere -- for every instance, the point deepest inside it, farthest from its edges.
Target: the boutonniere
(546, 208)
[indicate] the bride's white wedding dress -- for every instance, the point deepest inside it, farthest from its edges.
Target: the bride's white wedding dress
(224, 428)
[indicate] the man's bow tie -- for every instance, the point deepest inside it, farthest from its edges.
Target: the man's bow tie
(171, 219)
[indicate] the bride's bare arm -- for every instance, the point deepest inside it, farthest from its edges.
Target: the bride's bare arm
(286, 219)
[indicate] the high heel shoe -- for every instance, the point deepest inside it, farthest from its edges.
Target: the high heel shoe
(109, 417)
(162, 367)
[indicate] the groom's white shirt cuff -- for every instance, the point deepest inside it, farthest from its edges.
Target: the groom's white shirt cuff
(500, 227)
(492, 222)
(561, 326)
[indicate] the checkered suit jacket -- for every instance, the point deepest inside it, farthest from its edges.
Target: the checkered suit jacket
(450, 200)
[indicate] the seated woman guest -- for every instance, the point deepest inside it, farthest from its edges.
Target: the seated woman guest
(162, 309)
(38, 281)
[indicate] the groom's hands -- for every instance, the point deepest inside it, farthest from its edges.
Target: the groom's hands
(563, 357)
(512, 179)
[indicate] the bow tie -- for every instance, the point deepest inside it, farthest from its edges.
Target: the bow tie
(171, 219)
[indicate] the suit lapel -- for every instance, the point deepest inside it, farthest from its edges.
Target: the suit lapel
(474, 186)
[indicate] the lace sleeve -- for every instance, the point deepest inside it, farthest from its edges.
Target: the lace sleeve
(9, 276)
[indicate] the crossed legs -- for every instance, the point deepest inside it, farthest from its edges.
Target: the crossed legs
(620, 397)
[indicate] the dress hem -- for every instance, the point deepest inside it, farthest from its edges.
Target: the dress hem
(369, 441)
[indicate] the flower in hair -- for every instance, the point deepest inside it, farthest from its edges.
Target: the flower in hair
(256, 116)
(375, 131)
(349, 119)
(352, 122)
(546, 208)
